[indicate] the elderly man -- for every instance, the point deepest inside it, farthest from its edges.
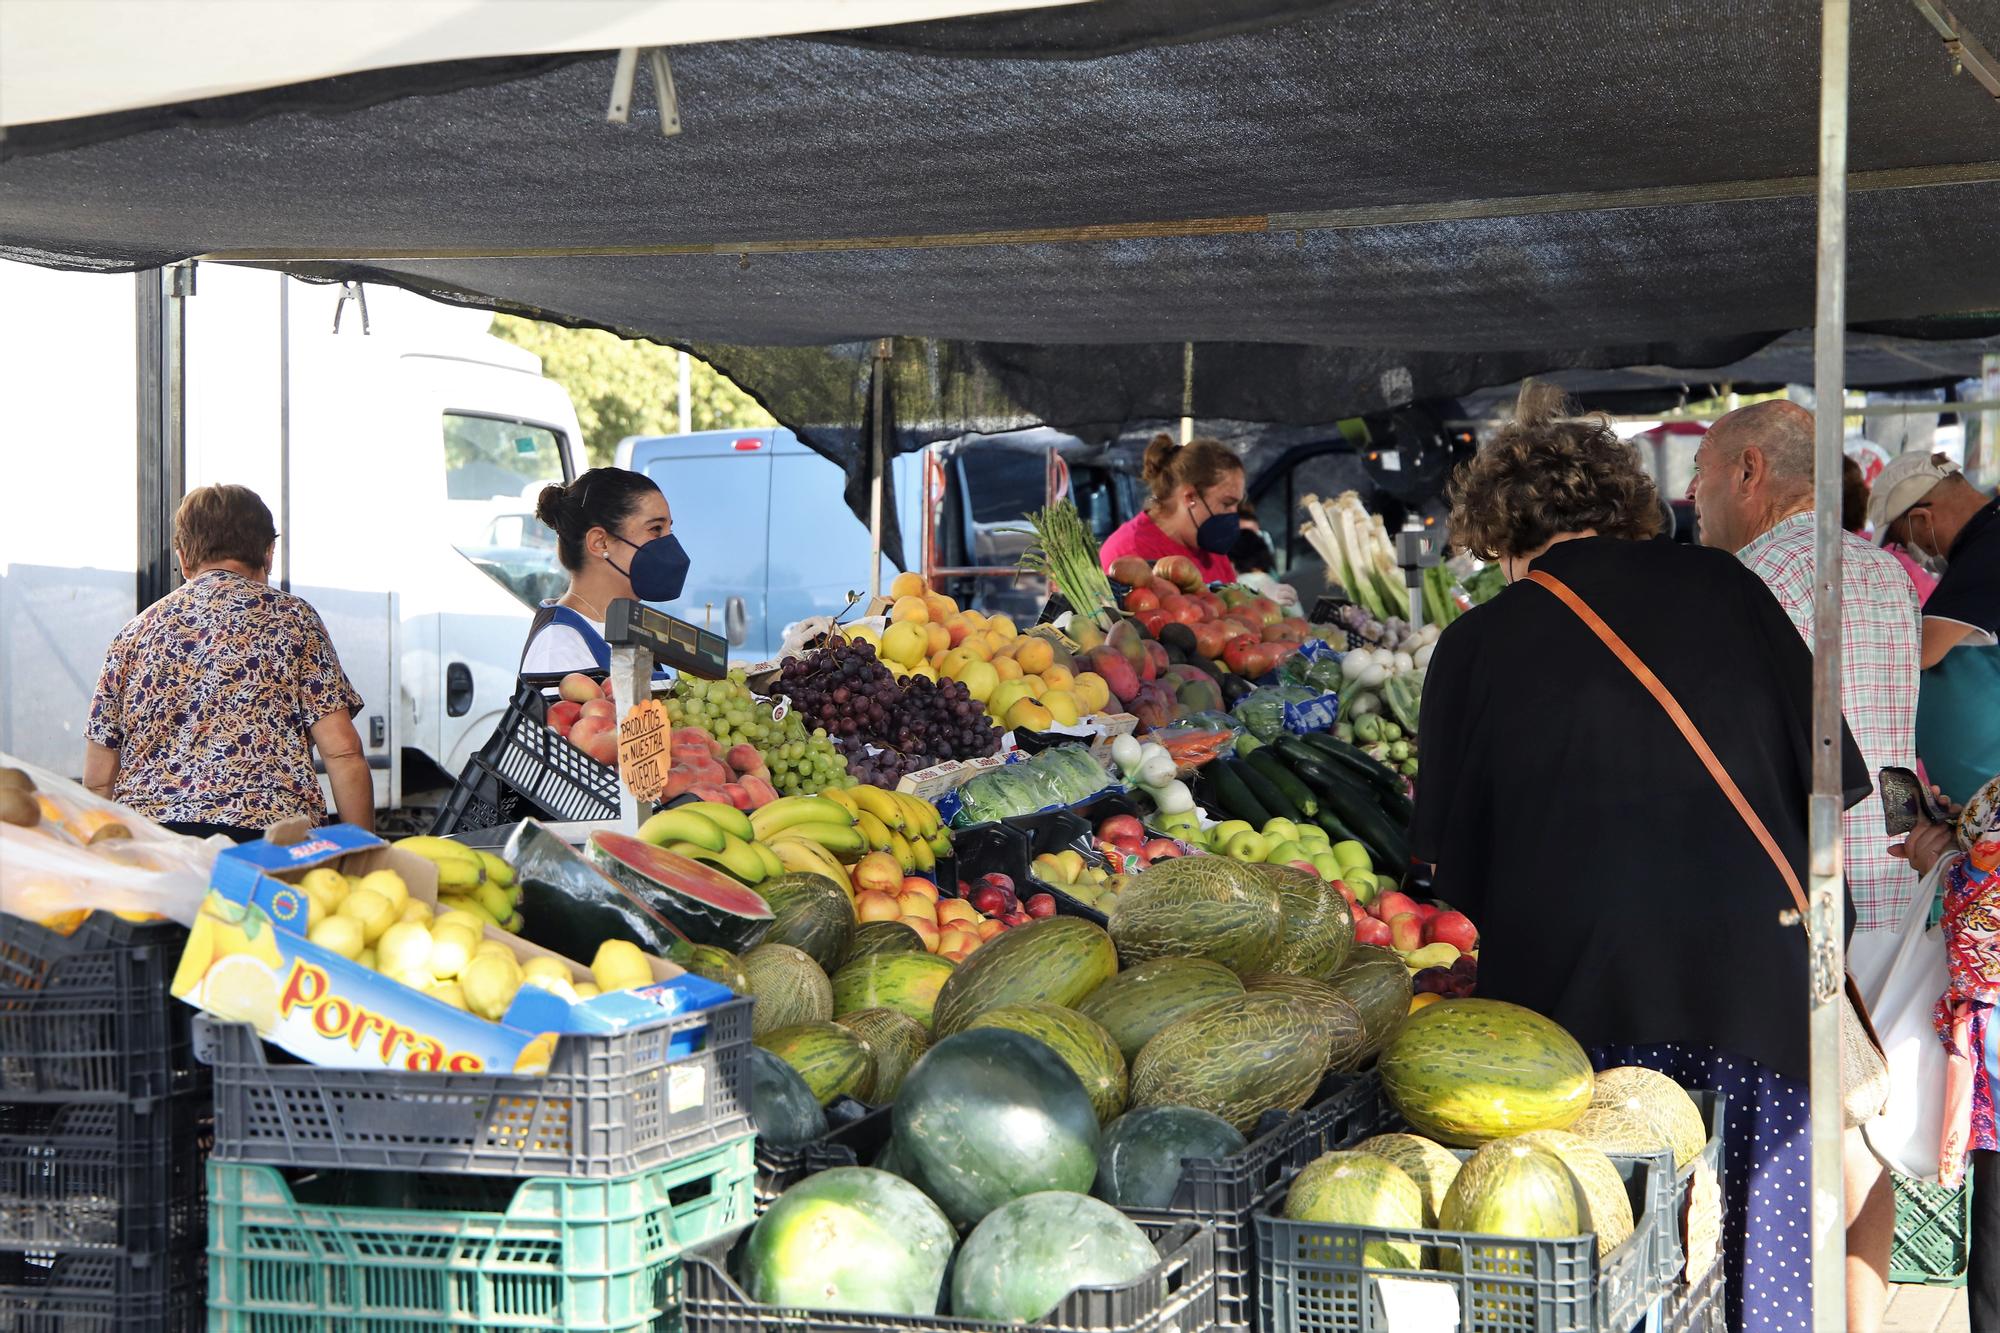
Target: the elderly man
(1753, 495)
(1932, 511)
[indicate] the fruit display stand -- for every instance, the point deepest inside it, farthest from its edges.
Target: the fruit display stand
(1933, 1232)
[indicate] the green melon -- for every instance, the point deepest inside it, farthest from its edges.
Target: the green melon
(873, 937)
(1084, 1046)
(812, 913)
(1134, 1005)
(1029, 1253)
(1318, 930)
(1512, 1188)
(784, 1109)
(896, 1042)
(832, 1060)
(1659, 1101)
(1060, 959)
(1361, 1190)
(713, 962)
(851, 1238)
(1617, 1130)
(1432, 1166)
(789, 988)
(1143, 1152)
(1238, 1058)
(1607, 1203)
(1199, 907)
(1346, 1039)
(1375, 982)
(906, 982)
(1466, 1072)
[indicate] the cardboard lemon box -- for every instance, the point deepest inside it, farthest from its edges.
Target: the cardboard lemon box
(248, 960)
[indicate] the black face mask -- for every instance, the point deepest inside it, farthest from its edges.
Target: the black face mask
(1218, 532)
(658, 571)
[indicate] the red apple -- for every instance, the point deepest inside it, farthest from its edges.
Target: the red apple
(1426, 911)
(563, 715)
(989, 900)
(1306, 866)
(1122, 826)
(1406, 933)
(1393, 903)
(1354, 907)
(1453, 928)
(1041, 904)
(998, 880)
(1159, 849)
(1129, 845)
(1367, 930)
(1022, 918)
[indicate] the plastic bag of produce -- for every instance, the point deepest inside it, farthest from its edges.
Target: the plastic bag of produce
(1263, 711)
(1015, 789)
(1075, 776)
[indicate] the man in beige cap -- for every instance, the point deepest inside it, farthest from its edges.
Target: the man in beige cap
(1927, 505)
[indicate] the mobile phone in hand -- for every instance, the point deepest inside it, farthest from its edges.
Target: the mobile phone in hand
(1904, 798)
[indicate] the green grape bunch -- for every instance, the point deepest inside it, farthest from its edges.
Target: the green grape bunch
(801, 762)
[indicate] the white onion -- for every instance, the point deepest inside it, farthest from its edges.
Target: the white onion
(1157, 771)
(1125, 752)
(1174, 798)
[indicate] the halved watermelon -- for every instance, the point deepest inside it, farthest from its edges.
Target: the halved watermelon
(703, 903)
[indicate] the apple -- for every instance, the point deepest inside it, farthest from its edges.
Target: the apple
(1354, 907)
(1022, 918)
(1306, 866)
(1406, 932)
(1453, 928)
(1426, 911)
(1122, 826)
(1248, 847)
(1041, 905)
(563, 715)
(1393, 903)
(1159, 849)
(995, 879)
(1368, 930)
(879, 871)
(1130, 845)
(988, 900)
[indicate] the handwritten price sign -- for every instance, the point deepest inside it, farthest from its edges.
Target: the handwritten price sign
(645, 750)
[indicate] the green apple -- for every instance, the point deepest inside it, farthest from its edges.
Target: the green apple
(1315, 837)
(1281, 830)
(1329, 868)
(1284, 853)
(1361, 884)
(1248, 846)
(1220, 835)
(1352, 854)
(1186, 826)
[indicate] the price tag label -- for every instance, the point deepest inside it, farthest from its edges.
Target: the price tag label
(782, 708)
(645, 750)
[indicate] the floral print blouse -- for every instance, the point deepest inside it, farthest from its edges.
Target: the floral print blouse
(210, 695)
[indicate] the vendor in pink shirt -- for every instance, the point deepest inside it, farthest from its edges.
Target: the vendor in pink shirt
(1196, 489)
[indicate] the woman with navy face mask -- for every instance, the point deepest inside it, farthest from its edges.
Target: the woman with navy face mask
(1196, 490)
(615, 536)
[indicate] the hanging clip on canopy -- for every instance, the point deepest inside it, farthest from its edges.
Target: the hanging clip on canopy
(625, 79)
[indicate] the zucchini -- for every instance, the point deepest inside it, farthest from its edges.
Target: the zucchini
(1354, 804)
(1229, 794)
(1265, 791)
(1265, 761)
(1342, 753)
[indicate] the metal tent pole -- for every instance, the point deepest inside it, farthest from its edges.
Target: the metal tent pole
(878, 447)
(1827, 966)
(161, 323)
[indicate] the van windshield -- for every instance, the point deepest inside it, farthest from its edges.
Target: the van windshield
(494, 469)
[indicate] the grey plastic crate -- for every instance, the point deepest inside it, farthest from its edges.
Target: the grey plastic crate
(1311, 1278)
(1714, 1107)
(1696, 1308)
(1177, 1295)
(610, 1105)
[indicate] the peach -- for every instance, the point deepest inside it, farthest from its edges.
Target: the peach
(878, 871)
(957, 941)
(910, 608)
(957, 909)
(1058, 677)
(1034, 655)
(1006, 668)
(908, 584)
(578, 688)
(941, 607)
(918, 904)
(958, 627)
(604, 708)
(918, 884)
(939, 642)
(1002, 626)
(1036, 685)
(588, 729)
(563, 715)
(926, 930)
(989, 927)
(872, 906)
(604, 748)
(1027, 714)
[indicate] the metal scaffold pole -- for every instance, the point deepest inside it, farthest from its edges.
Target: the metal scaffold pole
(1824, 927)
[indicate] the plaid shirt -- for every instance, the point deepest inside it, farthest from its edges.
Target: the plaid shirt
(1879, 634)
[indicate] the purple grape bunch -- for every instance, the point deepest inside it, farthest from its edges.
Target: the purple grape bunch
(911, 723)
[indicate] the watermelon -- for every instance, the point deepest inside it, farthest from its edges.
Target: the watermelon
(873, 937)
(1134, 1005)
(1466, 1072)
(1346, 1039)
(1359, 1189)
(1084, 1046)
(832, 1060)
(1142, 1153)
(1060, 959)
(851, 1238)
(993, 1115)
(906, 982)
(716, 964)
(812, 913)
(1199, 907)
(789, 988)
(700, 901)
(1660, 1102)
(1029, 1253)
(895, 1040)
(1317, 931)
(1617, 1130)
(784, 1108)
(1432, 1166)
(1375, 982)
(1607, 1204)
(1512, 1188)
(1238, 1058)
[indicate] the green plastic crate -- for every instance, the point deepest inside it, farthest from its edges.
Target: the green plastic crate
(1933, 1233)
(383, 1252)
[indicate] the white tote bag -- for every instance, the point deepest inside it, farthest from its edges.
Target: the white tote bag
(1907, 1134)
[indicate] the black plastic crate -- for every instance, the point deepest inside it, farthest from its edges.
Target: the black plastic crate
(525, 771)
(104, 1292)
(87, 1016)
(854, 1142)
(104, 1175)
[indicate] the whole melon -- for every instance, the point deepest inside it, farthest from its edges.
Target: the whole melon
(906, 982)
(851, 1238)
(812, 913)
(1029, 1253)
(1375, 982)
(1345, 1037)
(1084, 1046)
(873, 937)
(1134, 1005)
(1466, 1072)
(783, 1108)
(1143, 1152)
(992, 1115)
(1432, 1166)
(1199, 907)
(1238, 1058)
(1361, 1190)
(789, 988)
(1318, 929)
(1616, 1130)
(1607, 1204)
(1660, 1102)
(1512, 1188)
(895, 1043)
(1059, 959)
(832, 1060)
(714, 963)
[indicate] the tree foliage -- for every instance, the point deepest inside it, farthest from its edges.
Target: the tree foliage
(625, 387)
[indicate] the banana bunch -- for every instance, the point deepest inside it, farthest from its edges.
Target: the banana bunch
(470, 879)
(905, 826)
(716, 834)
(810, 835)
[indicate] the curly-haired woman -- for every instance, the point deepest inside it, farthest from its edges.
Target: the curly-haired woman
(1616, 889)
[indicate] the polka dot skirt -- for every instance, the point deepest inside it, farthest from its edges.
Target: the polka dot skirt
(1766, 1180)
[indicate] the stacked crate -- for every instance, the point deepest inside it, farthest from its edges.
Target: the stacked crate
(105, 1120)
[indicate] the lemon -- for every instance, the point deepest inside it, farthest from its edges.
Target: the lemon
(586, 990)
(553, 968)
(416, 910)
(619, 965)
(342, 934)
(451, 950)
(387, 883)
(371, 909)
(556, 986)
(367, 959)
(405, 947)
(327, 885)
(419, 980)
(459, 916)
(489, 983)
(499, 949)
(314, 914)
(241, 989)
(448, 991)
(534, 1057)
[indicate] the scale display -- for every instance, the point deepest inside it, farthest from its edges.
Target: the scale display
(686, 648)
